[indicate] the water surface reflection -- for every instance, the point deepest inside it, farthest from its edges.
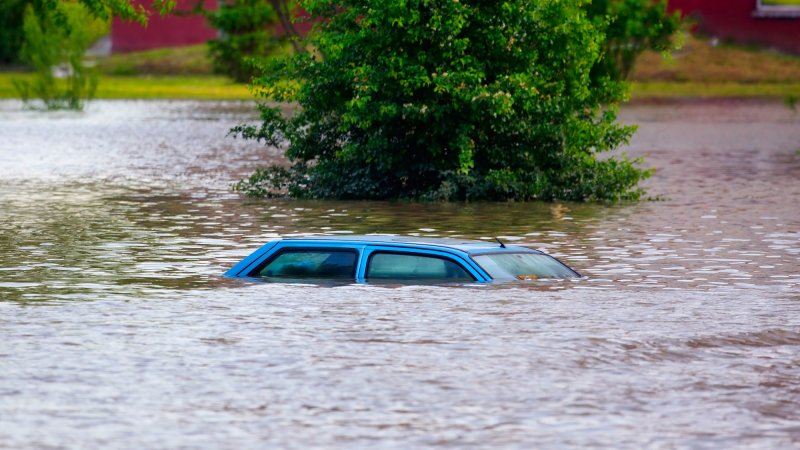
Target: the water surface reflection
(116, 224)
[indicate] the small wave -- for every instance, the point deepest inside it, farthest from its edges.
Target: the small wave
(765, 338)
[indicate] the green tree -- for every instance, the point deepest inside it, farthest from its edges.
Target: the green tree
(630, 28)
(446, 99)
(105, 9)
(243, 35)
(12, 16)
(11, 34)
(51, 34)
(48, 45)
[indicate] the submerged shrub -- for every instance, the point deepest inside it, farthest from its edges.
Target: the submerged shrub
(446, 99)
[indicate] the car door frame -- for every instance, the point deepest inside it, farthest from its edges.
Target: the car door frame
(464, 261)
(246, 267)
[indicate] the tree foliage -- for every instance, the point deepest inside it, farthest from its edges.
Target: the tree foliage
(12, 17)
(11, 34)
(447, 99)
(630, 28)
(244, 35)
(53, 36)
(285, 12)
(105, 9)
(48, 46)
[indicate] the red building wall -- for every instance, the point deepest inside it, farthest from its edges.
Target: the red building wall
(162, 31)
(176, 30)
(738, 20)
(742, 21)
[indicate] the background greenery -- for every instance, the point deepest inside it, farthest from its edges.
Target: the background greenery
(630, 28)
(12, 13)
(247, 31)
(698, 69)
(55, 42)
(781, 2)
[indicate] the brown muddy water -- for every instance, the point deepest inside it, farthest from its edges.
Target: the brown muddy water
(117, 331)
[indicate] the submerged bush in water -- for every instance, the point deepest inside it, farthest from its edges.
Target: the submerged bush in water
(446, 99)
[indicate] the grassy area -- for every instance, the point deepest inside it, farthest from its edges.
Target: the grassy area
(701, 62)
(152, 87)
(192, 60)
(700, 69)
(188, 87)
(666, 89)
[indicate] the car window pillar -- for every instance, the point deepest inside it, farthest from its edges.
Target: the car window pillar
(465, 262)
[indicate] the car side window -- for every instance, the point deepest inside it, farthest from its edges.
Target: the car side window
(399, 266)
(302, 263)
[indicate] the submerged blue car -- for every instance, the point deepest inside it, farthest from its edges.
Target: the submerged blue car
(404, 259)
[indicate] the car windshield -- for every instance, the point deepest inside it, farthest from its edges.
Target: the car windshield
(523, 266)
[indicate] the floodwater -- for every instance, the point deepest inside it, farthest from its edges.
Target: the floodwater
(117, 331)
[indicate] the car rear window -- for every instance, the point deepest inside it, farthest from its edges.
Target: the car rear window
(328, 264)
(523, 266)
(398, 266)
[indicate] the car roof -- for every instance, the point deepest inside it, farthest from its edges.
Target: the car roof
(465, 245)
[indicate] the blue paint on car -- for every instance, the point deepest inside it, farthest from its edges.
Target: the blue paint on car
(372, 258)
